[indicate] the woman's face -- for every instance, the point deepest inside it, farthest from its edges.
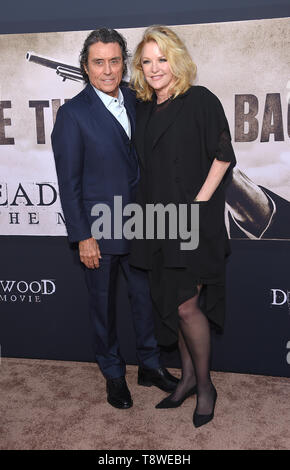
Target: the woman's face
(156, 69)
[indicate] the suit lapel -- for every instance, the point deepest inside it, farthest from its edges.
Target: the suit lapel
(130, 108)
(111, 128)
(102, 114)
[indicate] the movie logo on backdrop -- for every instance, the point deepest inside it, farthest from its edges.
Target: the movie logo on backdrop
(28, 203)
(256, 100)
(26, 291)
(280, 298)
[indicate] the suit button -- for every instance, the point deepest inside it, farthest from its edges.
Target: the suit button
(177, 179)
(176, 160)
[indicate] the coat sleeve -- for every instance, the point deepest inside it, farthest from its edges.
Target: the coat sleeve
(68, 152)
(218, 136)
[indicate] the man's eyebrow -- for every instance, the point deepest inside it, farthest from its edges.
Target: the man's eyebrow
(102, 58)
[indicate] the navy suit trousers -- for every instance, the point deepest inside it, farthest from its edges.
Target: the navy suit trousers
(102, 286)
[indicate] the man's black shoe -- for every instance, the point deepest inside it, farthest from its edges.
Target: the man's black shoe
(118, 393)
(170, 377)
(161, 378)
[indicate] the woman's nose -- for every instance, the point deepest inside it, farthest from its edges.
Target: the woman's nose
(154, 66)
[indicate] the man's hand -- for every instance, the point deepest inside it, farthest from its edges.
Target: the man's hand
(89, 253)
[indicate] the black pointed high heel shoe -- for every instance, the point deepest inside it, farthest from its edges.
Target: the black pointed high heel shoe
(201, 420)
(169, 403)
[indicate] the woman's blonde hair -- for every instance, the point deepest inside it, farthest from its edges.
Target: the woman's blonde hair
(181, 64)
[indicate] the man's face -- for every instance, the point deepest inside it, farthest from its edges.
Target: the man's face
(105, 67)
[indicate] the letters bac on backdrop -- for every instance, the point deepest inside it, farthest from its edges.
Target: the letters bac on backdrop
(246, 64)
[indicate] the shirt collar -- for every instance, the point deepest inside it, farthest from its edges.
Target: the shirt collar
(107, 99)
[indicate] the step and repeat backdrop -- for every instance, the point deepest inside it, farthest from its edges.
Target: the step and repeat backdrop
(43, 298)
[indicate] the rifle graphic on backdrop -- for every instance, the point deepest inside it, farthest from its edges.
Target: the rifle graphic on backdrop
(65, 71)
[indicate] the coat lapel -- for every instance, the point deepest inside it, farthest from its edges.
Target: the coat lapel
(143, 114)
(144, 110)
(168, 118)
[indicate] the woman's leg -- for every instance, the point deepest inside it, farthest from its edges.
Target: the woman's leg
(187, 380)
(195, 328)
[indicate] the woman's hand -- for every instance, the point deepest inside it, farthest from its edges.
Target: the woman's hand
(213, 179)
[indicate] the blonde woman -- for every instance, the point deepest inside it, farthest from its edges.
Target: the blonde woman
(184, 147)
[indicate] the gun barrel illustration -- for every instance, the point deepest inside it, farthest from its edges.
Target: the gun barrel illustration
(65, 71)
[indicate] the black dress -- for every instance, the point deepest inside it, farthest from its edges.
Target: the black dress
(174, 274)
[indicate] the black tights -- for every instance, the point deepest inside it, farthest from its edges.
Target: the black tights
(195, 347)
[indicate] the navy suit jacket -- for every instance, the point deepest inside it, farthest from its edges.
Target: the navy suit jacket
(95, 161)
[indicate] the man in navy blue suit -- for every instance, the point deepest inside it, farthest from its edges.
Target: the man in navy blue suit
(96, 161)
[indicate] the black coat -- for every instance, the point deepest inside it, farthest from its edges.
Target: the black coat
(192, 131)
